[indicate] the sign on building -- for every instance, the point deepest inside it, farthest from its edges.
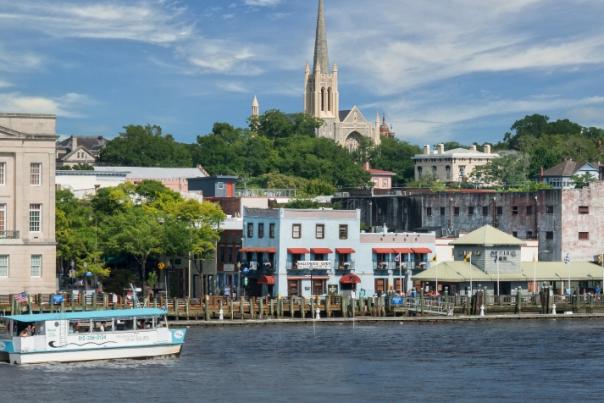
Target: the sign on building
(314, 264)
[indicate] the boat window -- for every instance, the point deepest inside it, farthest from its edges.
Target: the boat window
(79, 326)
(124, 325)
(27, 329)
(102, 326)
(144, 323)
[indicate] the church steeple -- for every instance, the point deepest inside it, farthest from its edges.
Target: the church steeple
(321, 54)
(321, 97)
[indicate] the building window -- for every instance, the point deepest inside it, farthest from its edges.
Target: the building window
(485, 211)
(2, 218)
(514, 210)
(499, 210)
(462, 171)
(220, 185)
(434, 171)
(583, 236)
(442, 211)
(470, 210)
(320, 231)
(448, 171)
(35, 173)
(36, 265)
(271, 230)
(549, 235)
(35, 217)
(343, 231)
(456, 211)
(2, 173)
(583, 209)
(261, 230)
(250, 229)
(429, 211)
(515, 234)
(549, 209)
(296, 231)
(3, 265)
(419, 171)
(381, 285)
(529, 210)
(529, 234)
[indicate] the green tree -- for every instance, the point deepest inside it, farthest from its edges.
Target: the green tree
(507, 171)
(582, 181)
(145, 146)
(395, 155)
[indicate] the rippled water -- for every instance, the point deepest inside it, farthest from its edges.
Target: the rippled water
(515, 361)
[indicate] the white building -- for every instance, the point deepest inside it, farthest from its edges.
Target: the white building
(86, 183)
(450, 165)
(27, 203)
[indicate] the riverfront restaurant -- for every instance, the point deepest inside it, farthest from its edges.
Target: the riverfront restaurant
(490, 258)
(293, 252)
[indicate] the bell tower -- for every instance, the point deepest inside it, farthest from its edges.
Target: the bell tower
(321, 96)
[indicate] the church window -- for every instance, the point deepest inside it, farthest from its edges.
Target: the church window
(323, 99)
(329, 99)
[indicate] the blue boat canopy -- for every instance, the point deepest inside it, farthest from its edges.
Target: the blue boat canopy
(104, 314)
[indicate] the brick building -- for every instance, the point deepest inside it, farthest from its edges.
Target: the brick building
(569, 221)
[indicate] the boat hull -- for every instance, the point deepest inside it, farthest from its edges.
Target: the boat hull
(95, 354)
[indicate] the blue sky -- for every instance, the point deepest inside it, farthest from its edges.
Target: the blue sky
(441, 70)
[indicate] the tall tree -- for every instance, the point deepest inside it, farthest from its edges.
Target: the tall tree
(145, 146)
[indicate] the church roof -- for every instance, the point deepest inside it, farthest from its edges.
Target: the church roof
(321, 54)
(344, 114)
(487, 236)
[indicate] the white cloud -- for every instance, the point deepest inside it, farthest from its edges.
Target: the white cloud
(155, 22)
(261, 3)
(67, 105)
(232, 86)
(415, 121)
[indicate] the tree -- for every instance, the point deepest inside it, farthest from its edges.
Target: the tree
(145, 146)
(395, 155)
(584, 180)
(510, 170)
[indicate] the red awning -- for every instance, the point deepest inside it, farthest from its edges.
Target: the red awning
(402, 250)
(258, 250)
(321, 251)
(382, 250)
(344, 251)
(297, 251)
(422, 250)
(350, 278)
(268, 280)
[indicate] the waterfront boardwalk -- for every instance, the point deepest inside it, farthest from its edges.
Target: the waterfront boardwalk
(336, 309)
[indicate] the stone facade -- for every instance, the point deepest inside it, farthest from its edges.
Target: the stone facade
(27, 203)
(322, 99)
(450, 166)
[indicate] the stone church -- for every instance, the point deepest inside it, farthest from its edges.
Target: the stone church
(322, 99)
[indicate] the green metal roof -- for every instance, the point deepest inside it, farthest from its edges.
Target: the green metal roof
(487, 236)
(459, 272)
(104, 314)
(454, 272)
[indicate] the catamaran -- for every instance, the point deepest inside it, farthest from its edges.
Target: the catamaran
(88, 336)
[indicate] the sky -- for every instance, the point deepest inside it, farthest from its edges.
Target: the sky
(441, 70)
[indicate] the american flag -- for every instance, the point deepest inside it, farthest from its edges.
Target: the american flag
(21, 297)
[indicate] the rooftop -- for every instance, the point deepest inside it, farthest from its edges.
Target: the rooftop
(568, 168)
(487, 236)
(156, 173)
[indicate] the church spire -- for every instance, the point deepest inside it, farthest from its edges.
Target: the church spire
(321, 55)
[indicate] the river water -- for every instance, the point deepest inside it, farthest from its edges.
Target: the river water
(504, 361)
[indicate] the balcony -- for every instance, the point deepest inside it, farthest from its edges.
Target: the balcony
(9, 234)
(342, 268)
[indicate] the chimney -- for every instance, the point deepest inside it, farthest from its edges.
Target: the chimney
(441, 148)
(487, 148)
(427, 149)
(473, 147)
(74, 143)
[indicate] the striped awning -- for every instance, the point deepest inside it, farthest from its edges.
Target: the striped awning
(422, 250)
(402, 250)
(321, 251)
(383, 250)
(297, 251)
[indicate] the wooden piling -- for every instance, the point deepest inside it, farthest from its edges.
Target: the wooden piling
(232, 308)
(261, 308)
(291, 307)
(207, 307)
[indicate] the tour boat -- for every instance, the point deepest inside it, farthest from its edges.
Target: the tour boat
(88, 336)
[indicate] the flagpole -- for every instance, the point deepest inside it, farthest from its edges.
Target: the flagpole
(400, 274)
